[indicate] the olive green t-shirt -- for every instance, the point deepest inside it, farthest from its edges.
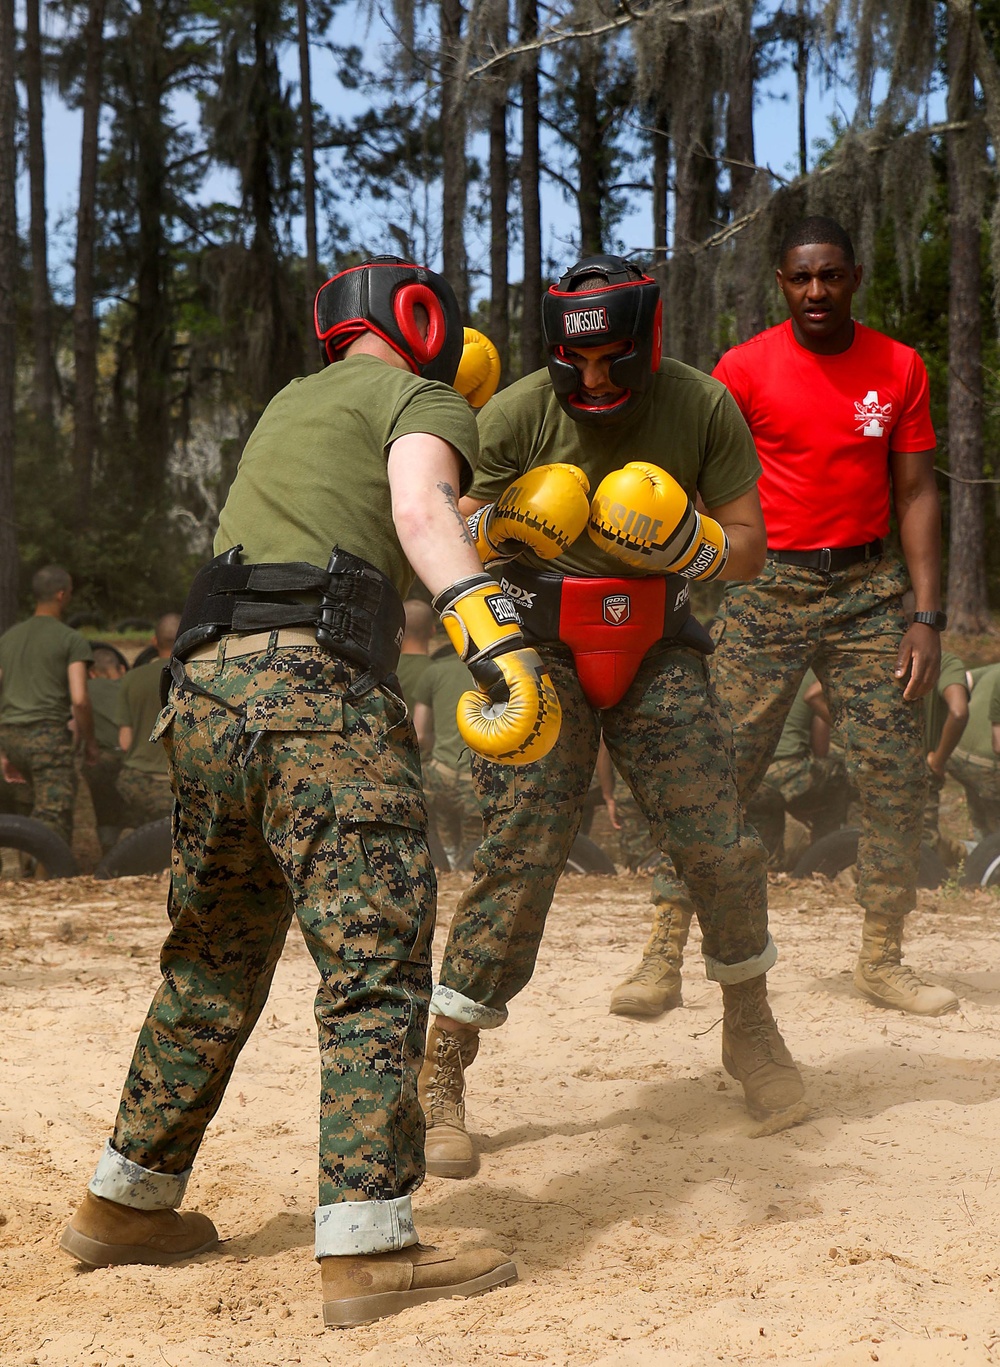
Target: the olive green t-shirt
(104, 702)
(687, 423)
(935, 707)
(984, 708)
(138, 707)
(314, 473)
(34, 658)
(440, 688)
(409, 672)
(796, 734)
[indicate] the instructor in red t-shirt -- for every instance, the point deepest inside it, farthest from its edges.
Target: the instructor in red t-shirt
(840, 416)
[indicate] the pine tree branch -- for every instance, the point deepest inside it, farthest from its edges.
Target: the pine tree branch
(631, 15)
(737, 226)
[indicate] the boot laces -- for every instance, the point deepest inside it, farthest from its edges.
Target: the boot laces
(899, 976)
(651, 970)
(446, 1083)
(752, 1020)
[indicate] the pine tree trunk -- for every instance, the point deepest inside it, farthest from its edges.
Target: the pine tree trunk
(688, 327)
(802, 83)
(740, 150)
(453, 168)
(531, 204)
(84, 322)
(499, 189)
(8, 316)
(43, 376)
(588, 140)
(308, 182)
(153, 335)
(661, 167)
(968, 606)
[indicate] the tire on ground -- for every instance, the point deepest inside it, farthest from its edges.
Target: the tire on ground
(586, 856)
(982, 865)
(33, 837)
(144, 850)
(833, 853)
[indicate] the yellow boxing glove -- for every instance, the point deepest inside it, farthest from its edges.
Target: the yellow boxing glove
(479, 369)
(642, 516)
(545, 509)
(514, 716)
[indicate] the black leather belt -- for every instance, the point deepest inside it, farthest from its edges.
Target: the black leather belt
(829, 558)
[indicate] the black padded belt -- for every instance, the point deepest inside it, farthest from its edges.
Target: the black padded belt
(355, 610)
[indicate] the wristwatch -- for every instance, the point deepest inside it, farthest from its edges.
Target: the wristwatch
(938, 620)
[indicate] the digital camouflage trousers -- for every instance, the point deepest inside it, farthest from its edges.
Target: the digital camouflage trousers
(670, 742)
(43, 753)
(292, 798)
(145, 797)
(848, 627)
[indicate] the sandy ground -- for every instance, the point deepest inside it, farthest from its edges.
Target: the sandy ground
(619, 1167)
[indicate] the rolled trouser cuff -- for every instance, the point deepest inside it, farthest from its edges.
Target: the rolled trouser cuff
(119, 1179)
(445, 1001)
(718, 972)
(361, 1227)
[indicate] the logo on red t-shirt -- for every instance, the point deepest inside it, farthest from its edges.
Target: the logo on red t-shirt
(870, 416)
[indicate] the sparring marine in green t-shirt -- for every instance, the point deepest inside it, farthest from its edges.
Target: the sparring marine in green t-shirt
(340, 424)
(683, 416)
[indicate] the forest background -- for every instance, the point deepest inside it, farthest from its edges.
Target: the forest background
(495, 139)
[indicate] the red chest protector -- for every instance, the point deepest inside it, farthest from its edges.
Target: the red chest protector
(608, 624)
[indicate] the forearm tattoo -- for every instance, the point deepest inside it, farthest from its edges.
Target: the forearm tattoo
(452, 502)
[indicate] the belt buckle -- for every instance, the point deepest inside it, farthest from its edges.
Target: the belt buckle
(825, 558)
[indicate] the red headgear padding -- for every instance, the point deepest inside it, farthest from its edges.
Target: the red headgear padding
(381, 297)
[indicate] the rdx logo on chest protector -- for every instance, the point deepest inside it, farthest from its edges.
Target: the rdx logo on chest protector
(518, 594)
(578, 322)
(616, 608)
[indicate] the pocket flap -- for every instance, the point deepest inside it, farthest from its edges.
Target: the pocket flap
(162, 722)
(386, 806)
(285, 710)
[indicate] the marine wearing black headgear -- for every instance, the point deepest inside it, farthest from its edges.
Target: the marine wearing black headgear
(381, 296)
(621, 305)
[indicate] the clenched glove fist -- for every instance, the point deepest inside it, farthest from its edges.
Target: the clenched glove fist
(545, 510)
(514, 716)
(642, 516)
(479, 369)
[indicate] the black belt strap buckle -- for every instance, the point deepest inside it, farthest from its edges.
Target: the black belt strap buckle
(825, 559)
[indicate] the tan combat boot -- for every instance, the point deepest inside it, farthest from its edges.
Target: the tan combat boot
(883, 978)
(754, 1053)
(655, 986)
(448, 1147)
(359, 1288)
(103, 1233)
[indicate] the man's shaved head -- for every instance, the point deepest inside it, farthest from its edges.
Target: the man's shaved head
(49, 581)
(166, 630)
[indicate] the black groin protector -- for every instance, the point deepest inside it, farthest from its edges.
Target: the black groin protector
(381, 296)
(627, 309)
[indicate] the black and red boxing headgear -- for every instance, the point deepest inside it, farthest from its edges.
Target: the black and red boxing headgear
(620, 305)
(381, 296)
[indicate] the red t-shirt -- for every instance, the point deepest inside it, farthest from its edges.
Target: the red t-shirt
(824, 427)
